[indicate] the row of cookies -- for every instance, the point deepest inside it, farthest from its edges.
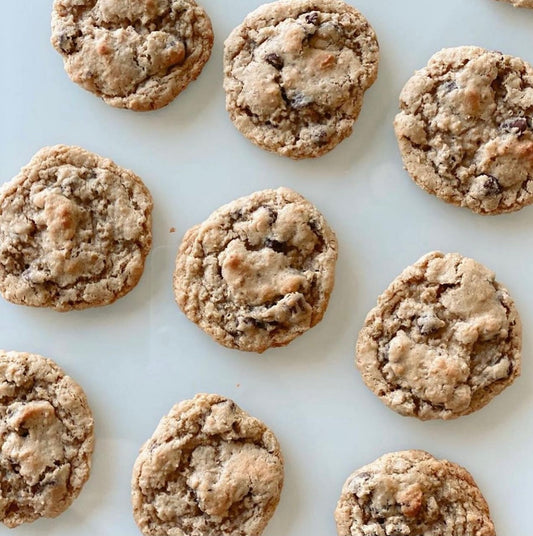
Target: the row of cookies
(75, 230)
(295, 73)
(209, 468)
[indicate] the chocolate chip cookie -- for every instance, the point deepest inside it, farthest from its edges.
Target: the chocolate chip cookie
(75, 230)
(209, 468)
(138, 55)
(411, 493)
(465, 129)
(296, 72)
(443, 340)
(46, 438)
(258, 272)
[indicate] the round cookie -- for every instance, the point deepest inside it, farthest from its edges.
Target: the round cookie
(209, 468)
(258, 272)
(133, 54)
(296, 72)
(411, 493)
(465, 132)
(75, 230)
(443, 340)
(46, 438)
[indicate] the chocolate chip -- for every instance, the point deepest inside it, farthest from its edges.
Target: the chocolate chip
(312, 18)
(299, 100)
(515, 125)
(276, 245)
(449, 86)
(492, 186)
(256, 323)
(429, 324)
(313, 225)
(67, 43)
(275, 60)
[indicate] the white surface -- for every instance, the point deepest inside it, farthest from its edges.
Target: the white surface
(138, 357)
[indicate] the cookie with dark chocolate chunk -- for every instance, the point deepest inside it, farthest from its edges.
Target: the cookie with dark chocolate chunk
(258, 272)
(75, 230)
(209, 469)
(411, 493)
(133, 54)
(465, 129)
(46, 438)
(444, 339)
(296, 72)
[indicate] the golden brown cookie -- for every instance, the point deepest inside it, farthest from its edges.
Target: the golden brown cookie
(296, 72)
(133, 54)
(75, 230)
(411, 493)
(464, 129)
(258, 272)
(209, 469)
(444, 339)
(46, 438)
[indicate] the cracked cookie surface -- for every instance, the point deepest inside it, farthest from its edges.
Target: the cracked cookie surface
(209, 468)
(296, 72)
(465, 129)
(46, 438)
(138, 55)
(75, 230)
(411, 493)
(258, 272)
(443, 340)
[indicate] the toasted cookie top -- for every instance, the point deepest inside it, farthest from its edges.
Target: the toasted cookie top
(46, 438)
(465, 131)
(411, 493)
(133, 54)
(75, 229)
(443, 340)
(295, 74)
(209, 468)
(259, 271)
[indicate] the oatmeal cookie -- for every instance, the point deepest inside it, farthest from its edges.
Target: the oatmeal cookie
(209, 468)
(46, 438)
(133, 54)
(465, 132)
(75, 230)
(296, 72)
(443, 340)
(258, 272)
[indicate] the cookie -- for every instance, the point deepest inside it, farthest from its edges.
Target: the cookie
(411, 493)
(443, 340)
(296, 72)
(46, 438)
(209, 468)
(258, 272)
(465, 131)
(138, 55)
(519, 3)
(75, 230)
